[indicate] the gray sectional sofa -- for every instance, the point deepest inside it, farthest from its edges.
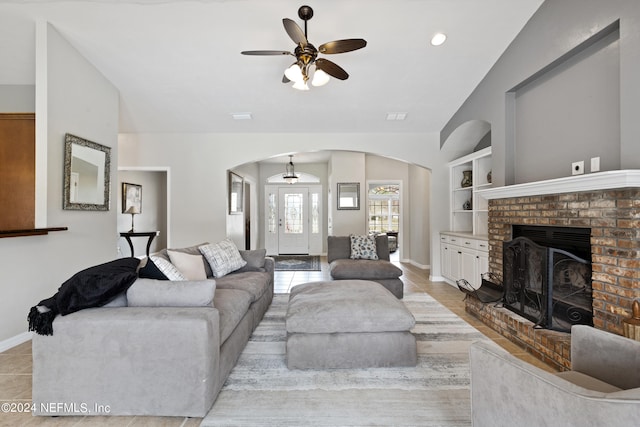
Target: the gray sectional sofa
(163, 360)
(342, 267)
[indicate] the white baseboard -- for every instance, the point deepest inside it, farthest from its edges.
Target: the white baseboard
(420, 266)
(14, 341)
(437, 278)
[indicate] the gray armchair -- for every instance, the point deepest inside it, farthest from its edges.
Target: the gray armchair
(603, 387)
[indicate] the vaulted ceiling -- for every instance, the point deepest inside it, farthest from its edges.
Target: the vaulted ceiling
(178, 67)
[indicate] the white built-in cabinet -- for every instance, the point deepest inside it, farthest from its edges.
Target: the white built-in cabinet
(464, 249)
(463, 257)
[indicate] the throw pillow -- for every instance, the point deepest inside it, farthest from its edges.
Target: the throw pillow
(168, 269)
(223, 257)
(151, 271)
(191, 266)
(163, 293)
(363, 247)
(255, 260)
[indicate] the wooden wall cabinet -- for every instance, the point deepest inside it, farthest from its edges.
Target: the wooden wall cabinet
(17, 171)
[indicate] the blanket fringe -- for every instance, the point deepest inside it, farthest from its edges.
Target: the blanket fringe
(41, 323)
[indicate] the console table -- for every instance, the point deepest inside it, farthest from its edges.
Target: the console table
(148, 234)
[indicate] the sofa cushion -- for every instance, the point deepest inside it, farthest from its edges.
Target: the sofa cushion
(169, 270)
(255, 260)
(254, 283)
(339, 247)
(232, 304)
(363, 247)
(223, 257)
(166, 293)
(382, 246)
(590, 383)
(119, 301)
(363, 269)
(149, 270)
(192, 250)
(190, 266)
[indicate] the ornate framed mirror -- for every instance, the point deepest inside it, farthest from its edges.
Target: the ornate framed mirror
(348, 195)
(87, 173)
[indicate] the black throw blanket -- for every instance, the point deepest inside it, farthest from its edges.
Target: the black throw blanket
(93, 287)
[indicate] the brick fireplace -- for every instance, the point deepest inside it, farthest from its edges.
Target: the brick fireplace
(608, 203)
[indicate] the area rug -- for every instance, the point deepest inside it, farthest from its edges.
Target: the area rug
(261, 391)
(297, 262)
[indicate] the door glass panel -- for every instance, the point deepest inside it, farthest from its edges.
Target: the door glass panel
(272, 215)
(315, 214)
(293, 214)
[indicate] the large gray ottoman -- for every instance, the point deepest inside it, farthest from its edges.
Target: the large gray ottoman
(348, 324)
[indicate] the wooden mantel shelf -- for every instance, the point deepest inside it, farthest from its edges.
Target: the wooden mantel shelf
(30, 232)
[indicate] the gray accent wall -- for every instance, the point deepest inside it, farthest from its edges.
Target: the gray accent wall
(587, 106)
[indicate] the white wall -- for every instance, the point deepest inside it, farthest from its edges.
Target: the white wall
(347, 167)
(199, 164)
(17, 98)
(419, 192)
(72, 97)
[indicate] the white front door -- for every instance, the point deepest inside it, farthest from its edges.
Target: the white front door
(293, 220)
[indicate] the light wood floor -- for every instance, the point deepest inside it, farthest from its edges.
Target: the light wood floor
(16, 364)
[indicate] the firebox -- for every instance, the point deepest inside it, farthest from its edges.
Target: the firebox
(547, 284)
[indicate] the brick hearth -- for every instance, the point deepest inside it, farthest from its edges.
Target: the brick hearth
(613, 215)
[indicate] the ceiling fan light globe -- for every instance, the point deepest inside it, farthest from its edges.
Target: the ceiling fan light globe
(320, 78)
(294, 73)
(301, 85)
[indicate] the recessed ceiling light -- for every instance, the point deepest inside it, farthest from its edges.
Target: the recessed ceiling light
(438, 39)
(396, 116)
(241, 116)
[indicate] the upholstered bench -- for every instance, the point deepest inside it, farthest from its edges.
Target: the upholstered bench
(348, 324)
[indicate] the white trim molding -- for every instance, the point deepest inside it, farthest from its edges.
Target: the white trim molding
(595, 181)
(15, 341)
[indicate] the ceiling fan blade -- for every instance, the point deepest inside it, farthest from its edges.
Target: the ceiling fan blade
(341, 46)
(331, 68)
(294, 31)
(266, 52)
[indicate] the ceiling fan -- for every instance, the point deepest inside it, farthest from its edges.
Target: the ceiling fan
(306, 55)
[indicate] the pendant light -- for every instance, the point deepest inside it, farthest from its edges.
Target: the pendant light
(290, 174)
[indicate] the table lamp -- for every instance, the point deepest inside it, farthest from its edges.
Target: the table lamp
(133, 210)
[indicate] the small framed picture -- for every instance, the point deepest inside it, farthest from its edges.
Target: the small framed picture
(131, 198)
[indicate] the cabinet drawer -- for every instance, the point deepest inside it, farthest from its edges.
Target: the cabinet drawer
(482, 245)
(468, 243)
(454, 240)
